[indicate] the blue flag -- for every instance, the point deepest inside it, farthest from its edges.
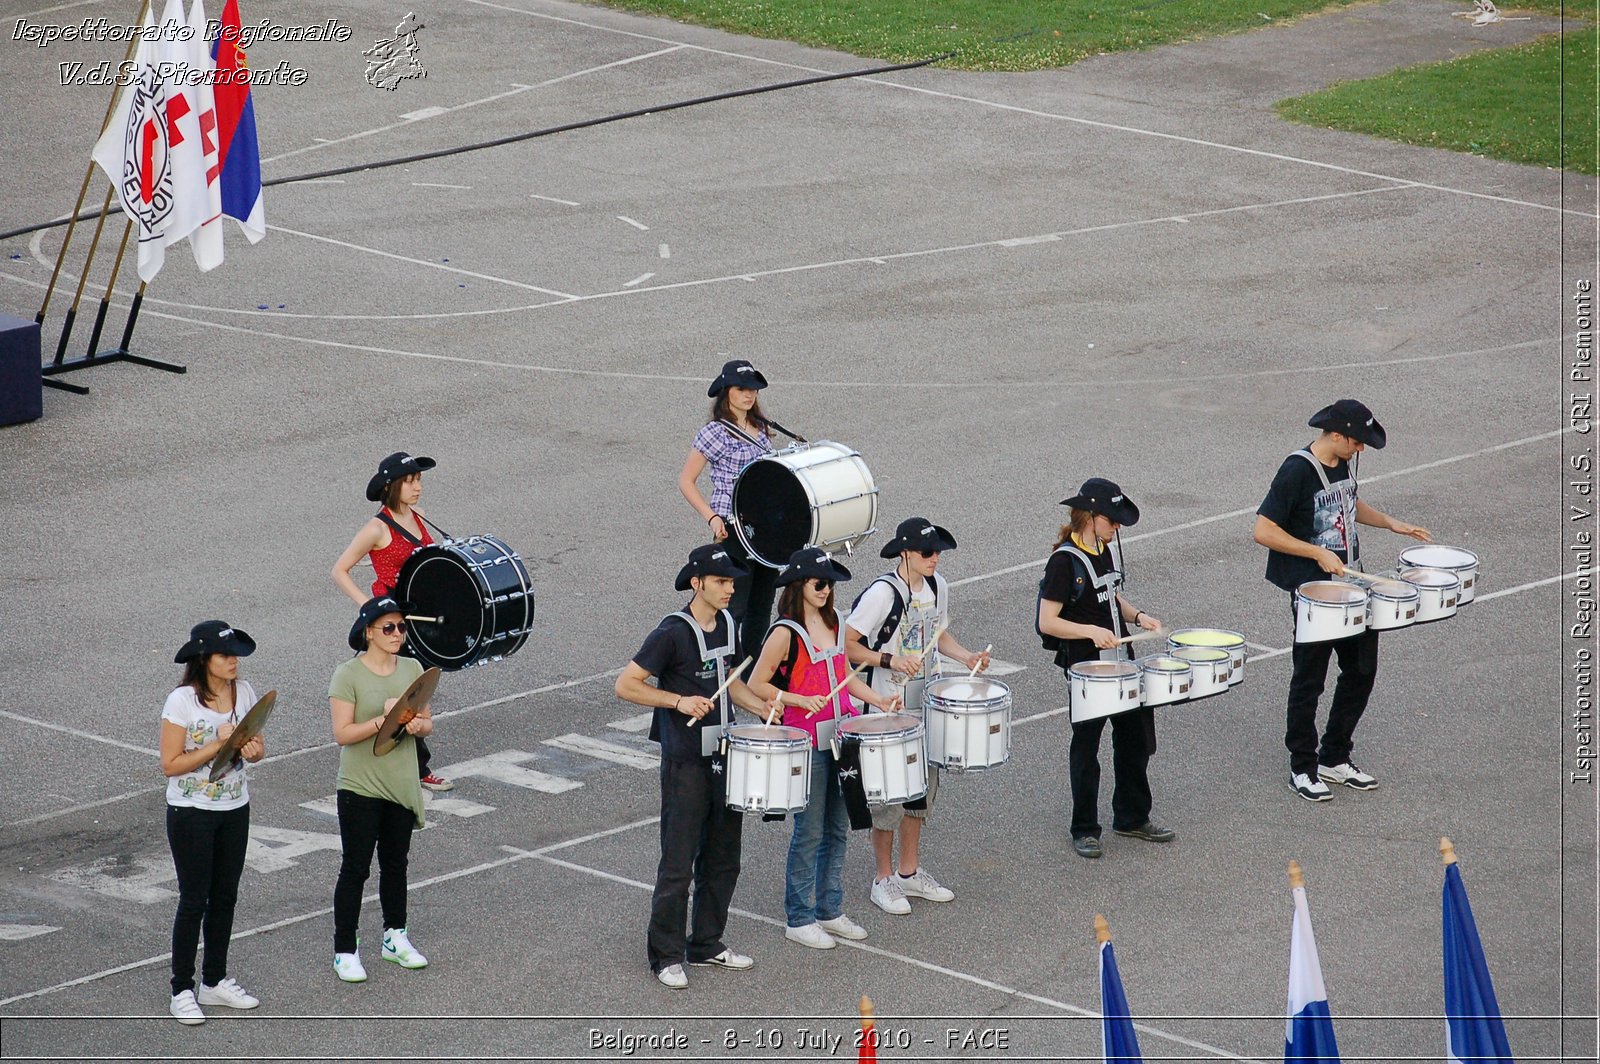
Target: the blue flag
(1474, 1032)
(1308, 1032)
(1118, 1039)
(238, 154)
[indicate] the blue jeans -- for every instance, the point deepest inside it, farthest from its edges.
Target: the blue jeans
(815, 874)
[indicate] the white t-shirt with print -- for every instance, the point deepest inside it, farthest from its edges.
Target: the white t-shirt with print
(918, 622)
(200, 723)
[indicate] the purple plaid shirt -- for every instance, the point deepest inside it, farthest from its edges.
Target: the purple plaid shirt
(727, 454)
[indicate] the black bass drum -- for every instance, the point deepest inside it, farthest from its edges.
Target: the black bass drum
(473, 599)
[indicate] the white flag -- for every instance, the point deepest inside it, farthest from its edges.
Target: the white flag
(192, 131)
(133, 152)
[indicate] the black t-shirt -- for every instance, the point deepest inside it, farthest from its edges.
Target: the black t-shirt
(672, 656)
(1081, 603)
(1298, 504)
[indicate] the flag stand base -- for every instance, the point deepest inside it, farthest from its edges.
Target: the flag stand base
(104, 358)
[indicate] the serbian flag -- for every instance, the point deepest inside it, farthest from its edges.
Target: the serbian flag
(1308, 1032)
(133, 152)
(1117, 1037)
(1474, 1031)
(236, 129)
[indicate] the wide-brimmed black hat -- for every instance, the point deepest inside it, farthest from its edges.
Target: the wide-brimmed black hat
(215, 637)
(1350, 417)
(736, 374)
(808, 562)
(1103, 497)
(918, 533)
(710, 560)
(397, 465)
(371, 610)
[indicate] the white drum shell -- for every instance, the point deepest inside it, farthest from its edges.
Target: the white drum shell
(1437, 597)
(1221, 639)
(1392, 605)
(1211, 673)
(968, 723)
(1320, 620)
(1101, 688)
(839, 489)
(894, 767)
(1458, 560)
(769, 769)
(1160, 685)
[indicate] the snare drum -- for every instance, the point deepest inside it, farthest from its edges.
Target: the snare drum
(893, 770)
(1328, 609)
(1391, 604)
(1221, 638)
(1212, 668)
(968, 723)
(1438, 593)
(1458, 560)
(477, 595)
(1101, 688)
(769, 768)
(1164, 679)
(810, 495)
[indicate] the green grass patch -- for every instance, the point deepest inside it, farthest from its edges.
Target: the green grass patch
(1053, 32)
(1505, 104)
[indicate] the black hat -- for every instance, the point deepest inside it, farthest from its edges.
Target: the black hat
(1103, 497)
(215, 637)
(736, 374)
(710, 560)
(371, 610)
(917, 533)
(808, 562)
(397, 465)
(1350, 417)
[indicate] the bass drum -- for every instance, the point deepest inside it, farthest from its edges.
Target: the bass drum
(811, 495)
(475, 597)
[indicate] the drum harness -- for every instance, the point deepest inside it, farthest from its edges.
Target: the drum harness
(1111, 582)
(718, 656)
(407, 536)
(827, 655)
(1347, 511)
(895, 618)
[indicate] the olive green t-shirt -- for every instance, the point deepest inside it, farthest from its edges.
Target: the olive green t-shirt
(394, 775)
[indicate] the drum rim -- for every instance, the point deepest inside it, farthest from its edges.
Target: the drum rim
(1358, 595)
(1003, 696)
(1235, 639)
(1076, 671)
(1473, 564)
(1403, 591)
(1454, 579)
(800, 734)
(1148, 663)
(900, 731)
(1223, 655)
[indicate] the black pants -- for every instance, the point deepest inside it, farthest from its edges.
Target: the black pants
(1358, 671)
(700, 839)
(208, 849)
(1133, 740)
(752, 597)
(424, 755)
(365, 823)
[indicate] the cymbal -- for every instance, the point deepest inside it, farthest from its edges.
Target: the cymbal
(419, 694)
(246, 730)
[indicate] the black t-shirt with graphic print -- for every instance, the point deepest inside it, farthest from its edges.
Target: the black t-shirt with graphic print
(1297, 503)
(672, 656)
(1066, 582)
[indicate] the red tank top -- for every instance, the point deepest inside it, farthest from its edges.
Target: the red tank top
(386, 562)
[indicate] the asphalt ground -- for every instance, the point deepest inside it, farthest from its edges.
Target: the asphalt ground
(992, 286)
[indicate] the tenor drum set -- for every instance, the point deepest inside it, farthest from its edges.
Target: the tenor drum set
(1430, 583)
(1198, 663)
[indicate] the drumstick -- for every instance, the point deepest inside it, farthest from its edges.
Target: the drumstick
(974, 671)
(429, 620)
(1142, 635)
(852, 674)
(732, 676)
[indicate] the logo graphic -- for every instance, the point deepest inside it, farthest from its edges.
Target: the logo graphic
(147, 167)
(392, 60)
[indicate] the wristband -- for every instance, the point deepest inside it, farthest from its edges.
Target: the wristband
(1136, 615)
(712, 518)
(884, 660)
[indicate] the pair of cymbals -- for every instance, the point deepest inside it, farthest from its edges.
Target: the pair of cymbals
(405, 708)
(247, 729)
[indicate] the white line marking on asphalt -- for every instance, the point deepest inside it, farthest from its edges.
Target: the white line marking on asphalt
(80, 734)
(436, 184)
(637, 225)
(643, 277)
(20, 932)
(664, 251)
(134, 877)
(1524, 587)
(1263, 649)
(505, 766)
(424, 112)
(423, 262)
(589, 746)
(633, 724)
(552, 199)
(879, 951)
(324, 181)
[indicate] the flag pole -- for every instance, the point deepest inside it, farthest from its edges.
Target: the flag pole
(105, 298)
(88, 174)
(1102, 930)
(1447, 850)
(83, 278)
(868, 1050)
(1297, 879)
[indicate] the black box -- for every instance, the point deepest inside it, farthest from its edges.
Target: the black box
(21, 387)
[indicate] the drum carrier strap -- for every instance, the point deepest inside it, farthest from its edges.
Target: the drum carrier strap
(1352, 542)
(902, 595)
(1110, 582)
(383, 515)
(785, 673)
(717, 655)
(743, 435)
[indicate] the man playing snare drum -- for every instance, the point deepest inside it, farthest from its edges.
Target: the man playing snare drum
(1307, 523)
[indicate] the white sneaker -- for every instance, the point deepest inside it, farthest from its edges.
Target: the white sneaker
(1348, 775)
(728, 959)
(810, 935)
(674, 976)
(186, 1010)
(398, 948)
(920, 884)
(842, 926)
(887, 895)
(347, 966)
(1312, 790)
(227, 993)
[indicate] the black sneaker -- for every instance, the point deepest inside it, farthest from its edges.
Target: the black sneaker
(1149, 831)
(1087, 846)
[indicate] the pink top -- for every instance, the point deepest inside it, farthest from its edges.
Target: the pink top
(817, 676)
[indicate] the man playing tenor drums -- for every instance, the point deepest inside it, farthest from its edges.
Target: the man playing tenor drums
(890, 627)
(691, 654)
(1307, 523)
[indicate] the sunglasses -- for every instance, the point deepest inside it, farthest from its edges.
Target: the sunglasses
(392, 627)
(821, 584)
(927, 553)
